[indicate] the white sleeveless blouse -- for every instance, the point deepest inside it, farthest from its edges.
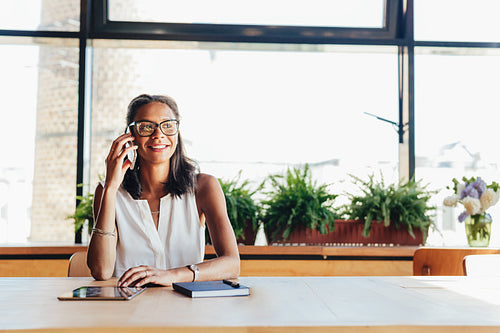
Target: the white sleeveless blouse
(179, 240)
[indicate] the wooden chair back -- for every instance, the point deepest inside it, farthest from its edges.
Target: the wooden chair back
(444, 261)
(78, 265)
(485, 265)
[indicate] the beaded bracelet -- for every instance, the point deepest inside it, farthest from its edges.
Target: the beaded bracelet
(102, 232)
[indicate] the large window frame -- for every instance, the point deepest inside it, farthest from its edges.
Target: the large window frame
(397, 30)
(102, 27)
(94, 24)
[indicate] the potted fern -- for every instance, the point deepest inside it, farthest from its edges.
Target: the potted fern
(83, 212)
(297, 209)
(242, 209)
(390, 214)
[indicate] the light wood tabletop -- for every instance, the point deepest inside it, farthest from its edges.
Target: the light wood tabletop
(276, 304)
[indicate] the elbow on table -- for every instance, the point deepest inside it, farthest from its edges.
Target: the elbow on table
(235, 267)
(101, 273)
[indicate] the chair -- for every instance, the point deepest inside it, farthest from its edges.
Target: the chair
(482, 265)
(444, 261)
(78, 265)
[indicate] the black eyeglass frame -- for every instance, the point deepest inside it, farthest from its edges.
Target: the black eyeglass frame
(175, 121)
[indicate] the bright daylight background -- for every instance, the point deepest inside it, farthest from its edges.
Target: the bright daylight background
(456, 99)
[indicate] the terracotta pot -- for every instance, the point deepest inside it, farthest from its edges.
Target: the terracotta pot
(249, 234)
(350, 232)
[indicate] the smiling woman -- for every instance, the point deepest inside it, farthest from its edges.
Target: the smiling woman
(155, 126)
(158, 208)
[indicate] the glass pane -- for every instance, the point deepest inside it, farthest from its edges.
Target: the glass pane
(457, 20)
(456, 111)
(39, 92)
(258, 108)
(54, 15)
(329, 13)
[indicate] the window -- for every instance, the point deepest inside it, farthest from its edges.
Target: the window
(39, 90)
(319, 22)
(258, 108)
(325, 13)
(53, 15)
(456, 109)
(271, 90)
(457, 20)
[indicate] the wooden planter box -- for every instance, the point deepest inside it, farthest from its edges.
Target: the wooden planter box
(350, 233)
(249, 234)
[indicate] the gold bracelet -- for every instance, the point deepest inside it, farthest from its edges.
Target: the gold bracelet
(102, 232)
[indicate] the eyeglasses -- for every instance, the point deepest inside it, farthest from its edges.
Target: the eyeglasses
(147, 128)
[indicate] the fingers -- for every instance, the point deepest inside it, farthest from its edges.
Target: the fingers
(125, 292)
(127, 163)
(128, 149)
(117, 147)
(116, 164)
(136, 276)
(131, 275)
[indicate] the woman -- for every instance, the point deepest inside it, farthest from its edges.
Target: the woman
(150, 217)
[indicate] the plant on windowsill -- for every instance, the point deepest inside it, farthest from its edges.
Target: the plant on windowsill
(242, 209)
(395, 210)
(297, 207)
(84, 212)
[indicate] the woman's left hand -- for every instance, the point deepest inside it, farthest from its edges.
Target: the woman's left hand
(142, 275)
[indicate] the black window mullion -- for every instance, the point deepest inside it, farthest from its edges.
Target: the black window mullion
(407, 94)
(82, 71)
(39, 33)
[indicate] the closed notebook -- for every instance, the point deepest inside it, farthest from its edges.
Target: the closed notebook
(210, 289)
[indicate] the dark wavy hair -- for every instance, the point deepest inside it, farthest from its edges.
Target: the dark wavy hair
(183, 170)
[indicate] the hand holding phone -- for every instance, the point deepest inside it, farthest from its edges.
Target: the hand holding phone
(131, 155)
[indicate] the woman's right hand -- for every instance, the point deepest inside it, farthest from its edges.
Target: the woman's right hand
(116, 165)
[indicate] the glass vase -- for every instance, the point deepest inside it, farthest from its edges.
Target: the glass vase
(478, 229)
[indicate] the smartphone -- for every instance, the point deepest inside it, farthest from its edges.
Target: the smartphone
(131, 155)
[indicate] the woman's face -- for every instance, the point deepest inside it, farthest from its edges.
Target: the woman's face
(157, 148)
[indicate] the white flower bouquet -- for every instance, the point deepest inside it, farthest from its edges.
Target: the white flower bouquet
(474, 194)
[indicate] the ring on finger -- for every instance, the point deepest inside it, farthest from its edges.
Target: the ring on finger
(146, 273)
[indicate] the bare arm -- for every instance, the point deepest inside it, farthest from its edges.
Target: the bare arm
(211, 203)
(101, 254)
(210, 199)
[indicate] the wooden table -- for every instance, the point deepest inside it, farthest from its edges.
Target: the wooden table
(276, 304)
